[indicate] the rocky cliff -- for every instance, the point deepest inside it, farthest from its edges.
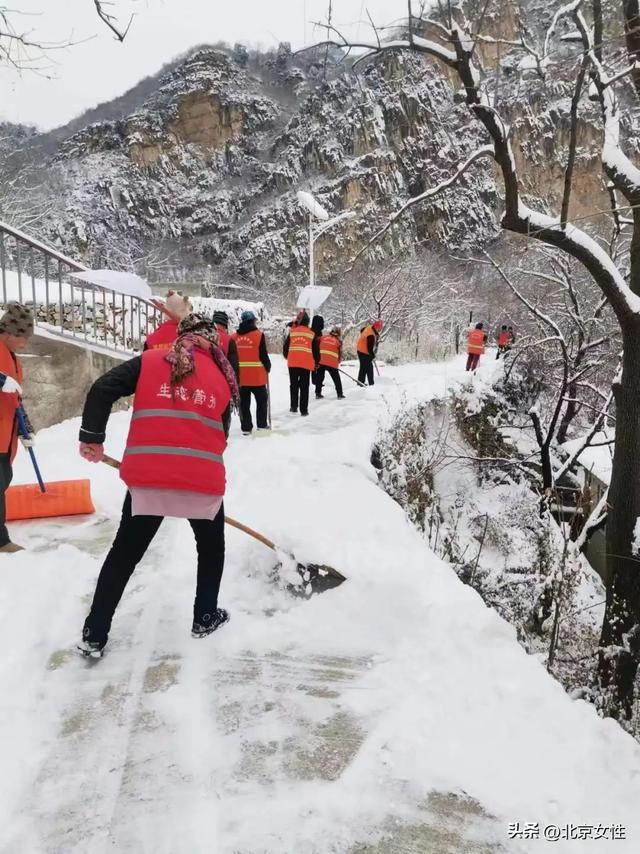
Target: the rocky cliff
(198, 179)
(205, 170)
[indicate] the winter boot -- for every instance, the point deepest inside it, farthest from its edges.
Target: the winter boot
(319, 396)
(246, 432)
(341, 397)
(220, 617)
(11, 548)
(90, 649)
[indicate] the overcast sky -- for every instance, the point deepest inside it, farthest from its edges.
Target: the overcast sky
(98, 67)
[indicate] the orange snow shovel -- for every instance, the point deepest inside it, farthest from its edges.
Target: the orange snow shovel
(39, 501)
(315, 577)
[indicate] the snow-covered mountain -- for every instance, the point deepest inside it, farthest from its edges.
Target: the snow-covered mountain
(206, 165)
(195, 171)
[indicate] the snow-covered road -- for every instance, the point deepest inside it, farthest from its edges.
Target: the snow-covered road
(393, 714)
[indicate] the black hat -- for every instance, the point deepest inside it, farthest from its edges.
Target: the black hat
(221, 317)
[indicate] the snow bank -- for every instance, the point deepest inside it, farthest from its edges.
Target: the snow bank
(596, 458)
(302, 726)
(233, 307)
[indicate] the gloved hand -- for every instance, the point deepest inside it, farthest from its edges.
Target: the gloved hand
(92, 453)
(10, 386)
(28, 441)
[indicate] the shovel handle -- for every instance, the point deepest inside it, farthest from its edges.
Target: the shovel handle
(111, 461)
(115, 464)
(24, 432)
(351, 378)
(256, 536)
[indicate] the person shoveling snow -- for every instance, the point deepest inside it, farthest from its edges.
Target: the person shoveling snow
(16, 327)
(173, 466)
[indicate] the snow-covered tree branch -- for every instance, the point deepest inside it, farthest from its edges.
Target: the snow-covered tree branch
(450, 39)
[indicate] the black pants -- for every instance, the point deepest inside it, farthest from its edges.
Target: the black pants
(473, 360)
(299, 388)
(366, 368)
(262, 397)
(334, 373)
(132, 541)
(6, 475)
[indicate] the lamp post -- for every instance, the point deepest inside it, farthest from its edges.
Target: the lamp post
(319, 223)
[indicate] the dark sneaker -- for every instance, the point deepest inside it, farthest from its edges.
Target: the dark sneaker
(341, 397)
(304, 413)
(246, 432)
(91, 649)
(201, 630)
(293, 410)
(319, 396)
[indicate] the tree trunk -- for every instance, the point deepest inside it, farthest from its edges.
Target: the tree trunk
(569, 414)
(545, 455)
(620, 639)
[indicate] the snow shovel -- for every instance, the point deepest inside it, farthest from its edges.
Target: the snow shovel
(316, 577)
(362, 385)
(38, 501)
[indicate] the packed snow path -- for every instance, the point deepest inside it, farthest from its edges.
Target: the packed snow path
(393, 714)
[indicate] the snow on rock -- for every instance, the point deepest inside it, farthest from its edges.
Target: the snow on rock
(597, 457)
(206, 167)
(376, 711)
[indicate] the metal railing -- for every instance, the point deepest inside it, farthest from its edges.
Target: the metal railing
(83, 314)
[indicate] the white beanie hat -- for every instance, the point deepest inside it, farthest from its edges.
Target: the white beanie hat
(178, 305)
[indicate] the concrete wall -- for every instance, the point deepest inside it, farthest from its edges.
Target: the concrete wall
(57, 377)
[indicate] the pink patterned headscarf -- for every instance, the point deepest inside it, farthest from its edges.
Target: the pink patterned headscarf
(181, 355)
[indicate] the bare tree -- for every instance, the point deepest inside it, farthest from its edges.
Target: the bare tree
(23, 49)
(453, 41)
(570, 336)
(421, 300)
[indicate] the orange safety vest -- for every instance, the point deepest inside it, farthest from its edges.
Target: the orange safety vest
(503, 339)
(475, 342)
(176, 438)
(163, 337)
(301, 348)
(9, 403)
(330, 351)
(362, 340)
(252, 371)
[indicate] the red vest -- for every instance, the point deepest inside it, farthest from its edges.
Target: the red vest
(301, 348)
(330, 351)
(224, 339)
(503, 339)
(176, 439)
(252, 371)
(475, 341)
(164, 336)
(9, 404)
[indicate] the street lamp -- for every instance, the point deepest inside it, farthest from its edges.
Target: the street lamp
(318, 214)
